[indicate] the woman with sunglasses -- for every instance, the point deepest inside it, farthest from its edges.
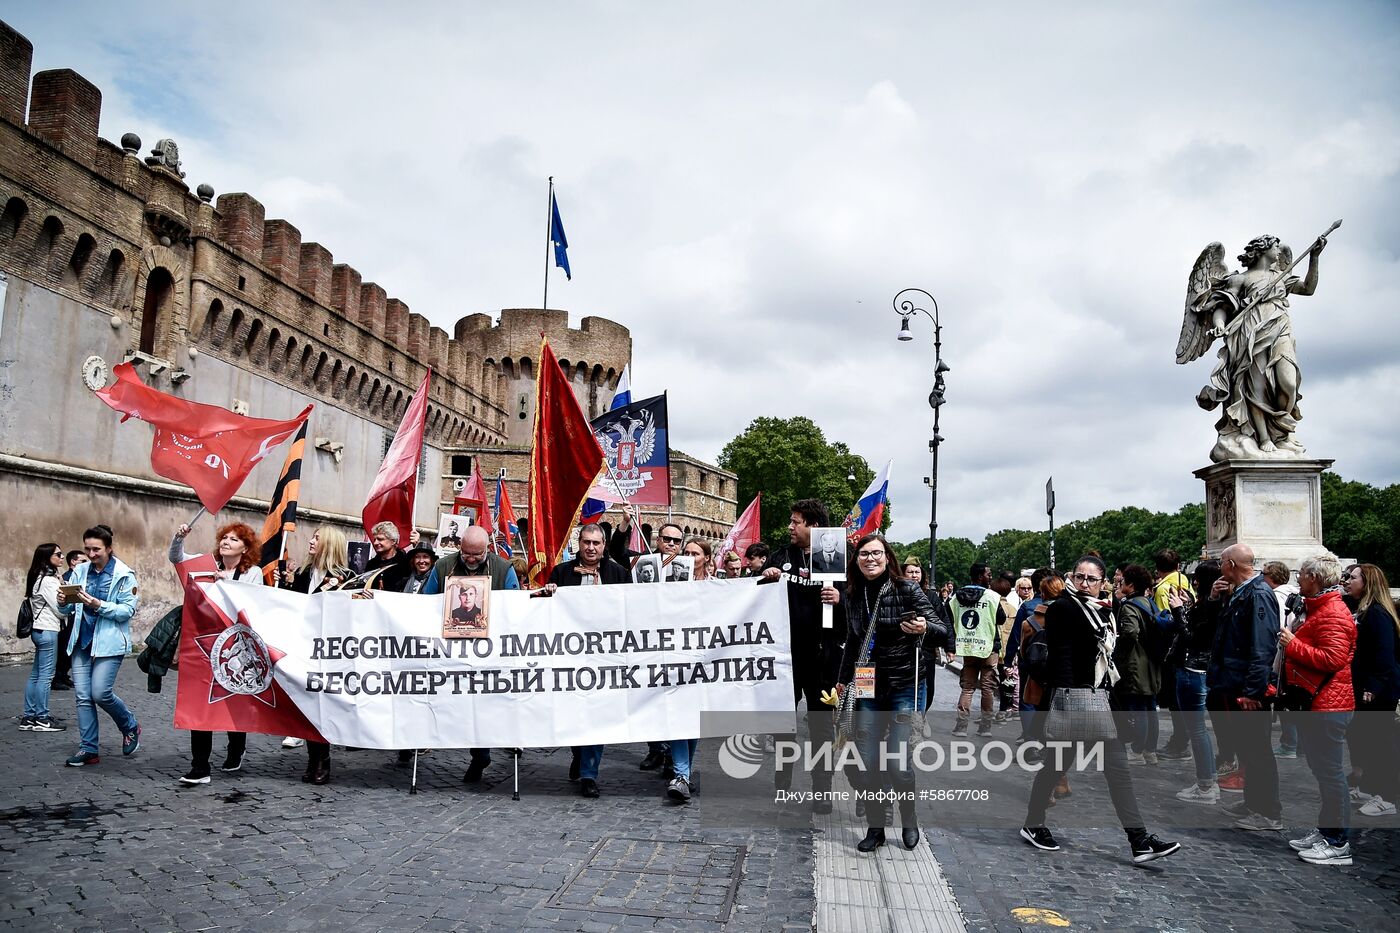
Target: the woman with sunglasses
(887, 620)
(1080, 633)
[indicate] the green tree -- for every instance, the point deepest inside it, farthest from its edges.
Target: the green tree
(1359, 521)
(788, 459)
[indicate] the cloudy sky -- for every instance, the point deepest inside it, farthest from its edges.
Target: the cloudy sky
(746, 186)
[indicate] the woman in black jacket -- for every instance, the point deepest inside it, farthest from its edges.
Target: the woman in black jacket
(888, 619)
(1375, 676)
(1080, 631)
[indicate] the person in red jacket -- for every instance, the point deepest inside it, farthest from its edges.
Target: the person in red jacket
(1317, 661)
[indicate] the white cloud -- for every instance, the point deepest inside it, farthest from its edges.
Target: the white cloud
(746, 187)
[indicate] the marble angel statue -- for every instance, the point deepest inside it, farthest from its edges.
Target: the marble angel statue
(1255, 380)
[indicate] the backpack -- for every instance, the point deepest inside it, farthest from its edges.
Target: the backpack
(1156, 640)
(1035, 653)
(24, 624)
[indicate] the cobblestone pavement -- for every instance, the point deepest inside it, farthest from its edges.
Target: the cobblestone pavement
(122, 847)
(1222, 879)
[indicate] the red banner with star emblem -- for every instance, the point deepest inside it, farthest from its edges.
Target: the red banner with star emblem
(226, 680)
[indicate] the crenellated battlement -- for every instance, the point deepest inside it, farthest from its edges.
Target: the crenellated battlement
(186, 273)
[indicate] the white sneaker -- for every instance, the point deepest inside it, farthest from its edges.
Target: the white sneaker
(1326, 854)
(1136, 758)
(1196, 793)
(1377, 807)
(1358, 797)
(1307, 842)
(290, 742)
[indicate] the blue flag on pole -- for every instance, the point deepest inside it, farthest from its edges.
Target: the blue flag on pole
(593, 509)
(561, 242)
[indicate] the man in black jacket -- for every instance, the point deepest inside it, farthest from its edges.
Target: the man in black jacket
(816, 651)
(384, 538)
(1238, 680)
(591, 568)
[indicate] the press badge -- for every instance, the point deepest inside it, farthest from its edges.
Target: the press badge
(865, 683)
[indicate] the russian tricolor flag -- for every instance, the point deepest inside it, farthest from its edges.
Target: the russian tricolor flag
(869, 510)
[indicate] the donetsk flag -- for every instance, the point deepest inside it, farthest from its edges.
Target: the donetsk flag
(282, 514)
(634, 440)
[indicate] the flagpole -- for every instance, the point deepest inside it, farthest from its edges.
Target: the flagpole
(548, 241)
(194, 518)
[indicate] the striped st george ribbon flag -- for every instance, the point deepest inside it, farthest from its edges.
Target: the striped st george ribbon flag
(282, 513)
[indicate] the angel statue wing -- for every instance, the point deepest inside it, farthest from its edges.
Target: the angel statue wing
(646, 443)
(1285, 257)
(1195, 328)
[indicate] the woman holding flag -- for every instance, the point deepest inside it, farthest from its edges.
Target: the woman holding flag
(237, 547)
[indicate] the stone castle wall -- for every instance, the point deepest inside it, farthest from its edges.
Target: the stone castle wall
(106, 252)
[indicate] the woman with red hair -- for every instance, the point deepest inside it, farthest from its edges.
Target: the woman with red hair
(236, 559)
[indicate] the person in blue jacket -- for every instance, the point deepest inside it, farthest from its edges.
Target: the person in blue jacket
(101, 637)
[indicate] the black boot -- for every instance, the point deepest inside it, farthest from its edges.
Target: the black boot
(574, 766)
(874, 838)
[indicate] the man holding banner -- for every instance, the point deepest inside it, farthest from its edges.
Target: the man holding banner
(816, 651)
(475, 559)
(591, 568)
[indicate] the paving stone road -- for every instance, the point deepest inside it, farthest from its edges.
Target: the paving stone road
(122, 847)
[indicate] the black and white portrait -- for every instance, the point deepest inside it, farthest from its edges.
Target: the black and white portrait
(681, 569)
(828, 552)
(647, 569)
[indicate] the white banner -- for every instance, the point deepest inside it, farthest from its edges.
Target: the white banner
(591, 665)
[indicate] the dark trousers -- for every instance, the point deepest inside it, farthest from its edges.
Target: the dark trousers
(1220, 722)
(1120, 786)
(1252, 733)
(1375, 749)
(821, 729)
(1322, 738)
(318, 753)
(63, 663)
(202, 746)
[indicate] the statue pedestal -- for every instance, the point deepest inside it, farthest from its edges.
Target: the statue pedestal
(1274, 506)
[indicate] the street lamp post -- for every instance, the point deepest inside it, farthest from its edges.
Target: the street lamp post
(906, 305)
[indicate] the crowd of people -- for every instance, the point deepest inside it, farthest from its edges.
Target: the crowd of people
(1229, 650)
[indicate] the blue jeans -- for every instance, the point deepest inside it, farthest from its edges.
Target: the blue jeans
(1323, 737)
(589, 758)
(682, 750)
(1142, 723)
(887, 718)
(1191, 701)
(36, 691)
(92, 682)
(1288, 734)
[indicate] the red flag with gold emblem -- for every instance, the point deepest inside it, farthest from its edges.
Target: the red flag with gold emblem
(564, 463)
(226, 679)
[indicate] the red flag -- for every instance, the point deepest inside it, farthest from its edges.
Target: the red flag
(208, 448)
(391, 497)
(214, 649)
(564, 462)
(473, 495)
(744, 532)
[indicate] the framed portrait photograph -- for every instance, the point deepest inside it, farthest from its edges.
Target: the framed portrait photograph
(466, 607)
(451, 526)
(647, 569)
(828, 553)
(358, 554)
(681, 569)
